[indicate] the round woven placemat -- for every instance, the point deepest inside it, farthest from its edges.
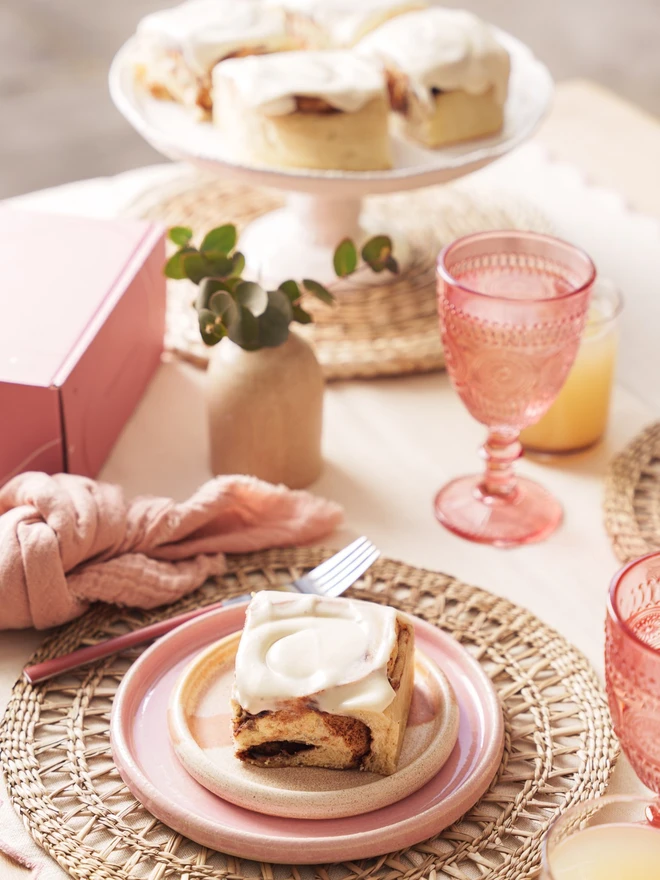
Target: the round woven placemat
(632, 496)
(374, 329)
(559, 745)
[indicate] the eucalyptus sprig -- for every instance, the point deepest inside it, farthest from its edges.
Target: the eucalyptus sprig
(244, 311)
(376, 253)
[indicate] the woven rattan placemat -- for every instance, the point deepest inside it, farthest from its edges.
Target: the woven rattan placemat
(632, 496)
(559, 745)
(374, 329)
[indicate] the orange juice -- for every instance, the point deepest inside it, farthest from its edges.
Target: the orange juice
(578, 417)
(608, 852)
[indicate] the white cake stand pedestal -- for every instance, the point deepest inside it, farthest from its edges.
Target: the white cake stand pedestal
(323, 207)
(299, 239)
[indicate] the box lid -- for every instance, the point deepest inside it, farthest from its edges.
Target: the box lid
(61, 276)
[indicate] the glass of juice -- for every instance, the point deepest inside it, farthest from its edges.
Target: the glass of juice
(610, 838)
(578, 417)
(632, 665)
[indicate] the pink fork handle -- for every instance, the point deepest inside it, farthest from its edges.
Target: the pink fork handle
(67, 662)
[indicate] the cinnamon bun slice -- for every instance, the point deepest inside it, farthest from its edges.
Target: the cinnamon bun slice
(322, 683)
(447, 75)
(316, 109)
(177, 48)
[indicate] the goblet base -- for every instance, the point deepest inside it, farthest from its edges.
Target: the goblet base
(528, 514)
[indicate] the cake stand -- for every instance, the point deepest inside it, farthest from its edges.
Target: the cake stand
(323, 207)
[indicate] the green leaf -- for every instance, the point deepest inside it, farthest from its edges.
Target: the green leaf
(237, 264)
(273, 331)
(220, 240)
(291, 289)
(210, 327)
(218, 264)
(207, 288)
(180, 235)
(274, 322)
(223, 307)
(376, 251)
(231, 283)
(206, 320)
(345, 259)
(319, 291)
(279, 301)
(301, 316)
(195, 266)
(251, 296)
(244, 331)
(174, 266)
(211, 339)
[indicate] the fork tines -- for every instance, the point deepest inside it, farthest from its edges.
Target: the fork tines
(332, 577)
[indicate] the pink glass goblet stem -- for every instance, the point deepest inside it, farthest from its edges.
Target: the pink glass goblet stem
(632, 666)
(500, 451)
(512, 307)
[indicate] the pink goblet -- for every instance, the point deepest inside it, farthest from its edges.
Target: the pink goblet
(512, 306)
(632, 665)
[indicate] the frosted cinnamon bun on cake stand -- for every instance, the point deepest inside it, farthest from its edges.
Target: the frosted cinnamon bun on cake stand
(177, 48)
(316, 109)
(325, 181)
(447, 73)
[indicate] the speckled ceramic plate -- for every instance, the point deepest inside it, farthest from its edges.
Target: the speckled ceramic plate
(199, 725)
(149, 766)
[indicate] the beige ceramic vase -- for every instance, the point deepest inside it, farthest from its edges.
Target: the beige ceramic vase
(265, 412)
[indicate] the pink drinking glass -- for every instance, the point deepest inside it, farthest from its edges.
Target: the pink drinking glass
(512, 306)
(632, 665)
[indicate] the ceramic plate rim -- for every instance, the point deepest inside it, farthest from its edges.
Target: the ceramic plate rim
(258, 846)
(179, 729)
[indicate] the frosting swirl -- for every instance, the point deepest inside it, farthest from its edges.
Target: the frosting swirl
(335, 651)
(271, 83)
(346, 21)
(445, 49)
(206, 31)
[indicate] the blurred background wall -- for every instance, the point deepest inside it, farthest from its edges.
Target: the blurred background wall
(57, 122)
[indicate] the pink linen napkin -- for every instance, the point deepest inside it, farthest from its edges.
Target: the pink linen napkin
(67, 540)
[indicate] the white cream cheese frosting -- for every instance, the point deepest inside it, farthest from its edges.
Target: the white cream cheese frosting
(346, 21)
(334, 651)
(271, 83)
(446, 49)
(206, 31)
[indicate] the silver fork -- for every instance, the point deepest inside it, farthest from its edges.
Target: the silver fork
(334, 576)
(330, 578)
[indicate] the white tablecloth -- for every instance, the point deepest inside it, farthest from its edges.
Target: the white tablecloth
(390, 443)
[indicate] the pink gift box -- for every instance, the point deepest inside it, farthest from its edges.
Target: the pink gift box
(82, 319)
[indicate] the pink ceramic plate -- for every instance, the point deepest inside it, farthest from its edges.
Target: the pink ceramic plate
(149, 766)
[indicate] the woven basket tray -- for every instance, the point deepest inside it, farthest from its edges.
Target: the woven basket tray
(374, 329)
(632, 497)
(559, 745)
